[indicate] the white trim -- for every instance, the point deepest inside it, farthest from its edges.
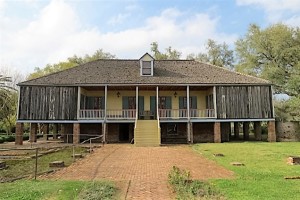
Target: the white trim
(272, 102)
(105, 102)
(19, 97)
(215, 100)
(78, 101)
(136, 102)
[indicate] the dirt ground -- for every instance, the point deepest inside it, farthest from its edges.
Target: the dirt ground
(140, 172)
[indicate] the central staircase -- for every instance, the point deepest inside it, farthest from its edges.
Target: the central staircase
(147, 133)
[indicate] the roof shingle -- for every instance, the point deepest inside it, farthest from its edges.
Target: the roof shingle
(127, 72)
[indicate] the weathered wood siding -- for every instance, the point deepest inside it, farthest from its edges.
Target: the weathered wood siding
(240, 102)
(47, 103)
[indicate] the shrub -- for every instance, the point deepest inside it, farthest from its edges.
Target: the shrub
(1, 140)
(186, 188)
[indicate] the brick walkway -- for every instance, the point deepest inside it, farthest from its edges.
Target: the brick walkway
(144, 168)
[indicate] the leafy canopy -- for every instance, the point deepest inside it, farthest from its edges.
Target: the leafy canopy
(71, 62)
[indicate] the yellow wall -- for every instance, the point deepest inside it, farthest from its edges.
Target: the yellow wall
(146, 58)
(114, 102)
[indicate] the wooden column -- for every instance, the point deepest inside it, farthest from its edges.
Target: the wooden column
(236, 130)
(217, 132)
(33, 132)
(19, 133)
(188, 113)
(192, 133)
(257, 131)
(45, 131)
(271, 131)
(104, 125)
(76, 133)
(63, 132)
(188, 130)
(246, 130)
(55, 131)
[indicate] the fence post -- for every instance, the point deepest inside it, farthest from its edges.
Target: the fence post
(36, 163)
(90, 146)
(73, 153)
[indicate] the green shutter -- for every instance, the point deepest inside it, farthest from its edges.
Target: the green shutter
(153, 105)
(125, 104)
(181, 103)
(168, 102)
(102, 99)
(141, 103)
(194, 102)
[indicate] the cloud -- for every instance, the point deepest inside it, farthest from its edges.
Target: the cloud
(286, 11)
(120, 18)
(58, 33)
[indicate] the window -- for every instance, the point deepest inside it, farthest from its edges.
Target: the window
(146, 68)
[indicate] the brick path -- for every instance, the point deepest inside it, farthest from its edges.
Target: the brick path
(144, 168)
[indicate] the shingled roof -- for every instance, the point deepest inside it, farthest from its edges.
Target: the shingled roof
(128, 72)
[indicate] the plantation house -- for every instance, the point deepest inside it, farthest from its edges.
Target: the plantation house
(147, 101)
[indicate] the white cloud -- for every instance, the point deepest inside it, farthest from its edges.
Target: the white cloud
(118, 19)
(58, 33)
(286, 11)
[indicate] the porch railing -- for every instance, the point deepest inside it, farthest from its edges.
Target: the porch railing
(202, 113)
(131, 114)
(121, 114)
(183, 113)
(91, 114)
(172, 113)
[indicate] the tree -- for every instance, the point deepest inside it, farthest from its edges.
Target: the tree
(171, 54)
(71, 62)
(272, 53)
(217, 54)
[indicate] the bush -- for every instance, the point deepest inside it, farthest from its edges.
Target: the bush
(186, 188)
(1, 140)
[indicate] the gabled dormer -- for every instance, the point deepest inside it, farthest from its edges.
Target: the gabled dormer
(146, 65)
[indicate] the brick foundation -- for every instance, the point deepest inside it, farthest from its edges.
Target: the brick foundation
(257, 131)
(33, 132)
(217, 132)
(55, 131)
(19, 133)
(45, 131)
(225, 131)
(203, 132)
(271, 131)
(246, 130)
(76, 133)
(236, 130)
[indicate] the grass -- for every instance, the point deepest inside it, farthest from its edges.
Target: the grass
(262, 177)
(18, 168)
(56, 190)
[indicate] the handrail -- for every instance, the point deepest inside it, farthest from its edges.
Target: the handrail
(90, 139)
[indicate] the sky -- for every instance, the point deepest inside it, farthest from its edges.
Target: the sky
(34, 33)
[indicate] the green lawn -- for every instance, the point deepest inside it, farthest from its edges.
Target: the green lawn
(56, 190)
(19, 168)
(262, 177)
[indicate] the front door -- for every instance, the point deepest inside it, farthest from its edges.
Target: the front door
(124, 132)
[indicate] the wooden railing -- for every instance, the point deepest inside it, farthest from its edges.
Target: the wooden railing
(131, 114)
(172, 113)
(91, 114)
(182, 113)
(202, 113)
(121, 114)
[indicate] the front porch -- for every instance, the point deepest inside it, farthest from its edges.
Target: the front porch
(115, 103)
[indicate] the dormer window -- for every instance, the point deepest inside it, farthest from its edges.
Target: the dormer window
(146, 65)
(146, 68)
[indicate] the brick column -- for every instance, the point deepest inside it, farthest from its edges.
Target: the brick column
(55, 131)
(257, 131)
(246, 130)
(192, 133)
(236, 130)
(217, 132)
(225, 131)
(45, 131)
(19, 133)
(76, 133)
(33, 132)
(271, 131)
(63, 132)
